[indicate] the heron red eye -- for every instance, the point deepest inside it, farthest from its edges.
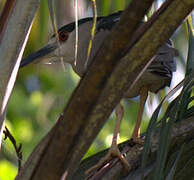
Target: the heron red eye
(63, 35)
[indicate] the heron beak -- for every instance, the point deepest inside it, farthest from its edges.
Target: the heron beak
(42, 53)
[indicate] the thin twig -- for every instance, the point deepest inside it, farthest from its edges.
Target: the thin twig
(92, 31)
(76, 31)
(54, 26)
(17, 148)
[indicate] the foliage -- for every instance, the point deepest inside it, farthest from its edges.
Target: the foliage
(41, 92)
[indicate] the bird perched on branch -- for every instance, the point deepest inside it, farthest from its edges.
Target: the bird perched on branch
(156, 76)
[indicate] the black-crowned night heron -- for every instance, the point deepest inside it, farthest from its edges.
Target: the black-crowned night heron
(157, 75)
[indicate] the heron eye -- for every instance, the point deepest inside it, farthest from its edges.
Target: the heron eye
(63, 35)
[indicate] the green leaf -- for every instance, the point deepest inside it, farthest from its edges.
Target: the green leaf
(173, 169)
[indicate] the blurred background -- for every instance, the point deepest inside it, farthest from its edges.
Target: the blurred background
(42, 91)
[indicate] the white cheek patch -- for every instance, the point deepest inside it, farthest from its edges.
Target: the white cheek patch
(66, 51)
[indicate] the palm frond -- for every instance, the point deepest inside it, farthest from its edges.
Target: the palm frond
(179, 109)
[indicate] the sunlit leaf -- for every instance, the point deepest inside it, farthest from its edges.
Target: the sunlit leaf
(8, 170)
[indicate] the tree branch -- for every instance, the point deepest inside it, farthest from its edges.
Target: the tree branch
(182, 132)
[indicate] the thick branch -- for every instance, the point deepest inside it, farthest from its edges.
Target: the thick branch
(75, 114)
(182, 132)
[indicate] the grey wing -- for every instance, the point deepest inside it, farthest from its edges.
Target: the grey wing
(164, 62)
(108, 22)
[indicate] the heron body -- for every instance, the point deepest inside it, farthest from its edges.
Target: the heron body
(156, 76)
